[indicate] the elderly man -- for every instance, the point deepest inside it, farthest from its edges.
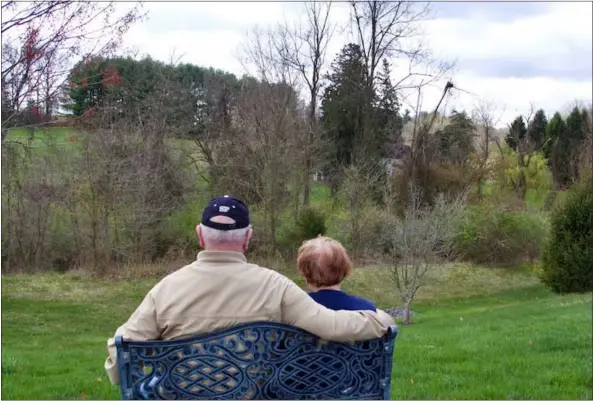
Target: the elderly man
(220, 289)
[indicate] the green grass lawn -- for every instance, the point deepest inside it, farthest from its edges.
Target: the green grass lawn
(480, 334)
(41, 138)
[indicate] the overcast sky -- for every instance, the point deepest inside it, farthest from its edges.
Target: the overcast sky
(509, 53)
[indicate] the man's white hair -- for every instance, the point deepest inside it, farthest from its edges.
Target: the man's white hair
(214, 236)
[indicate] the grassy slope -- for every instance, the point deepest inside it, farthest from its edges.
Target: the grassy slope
(492, 334)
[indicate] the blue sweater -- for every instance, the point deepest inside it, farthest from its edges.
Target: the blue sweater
(339, 300)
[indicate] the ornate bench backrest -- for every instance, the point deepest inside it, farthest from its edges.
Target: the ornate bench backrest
(258, 360)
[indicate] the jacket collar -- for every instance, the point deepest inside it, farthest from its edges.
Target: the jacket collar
(221, 257)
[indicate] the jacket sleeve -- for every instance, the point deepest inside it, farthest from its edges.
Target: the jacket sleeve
(141, 326)
(300, 310)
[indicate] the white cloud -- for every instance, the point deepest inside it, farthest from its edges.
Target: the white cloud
(205, 48)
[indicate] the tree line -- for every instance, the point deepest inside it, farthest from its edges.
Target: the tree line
(153, 140)
(563, 141)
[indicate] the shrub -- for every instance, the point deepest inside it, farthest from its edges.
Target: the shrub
(504, 173)
(417, 243)
(568, 255)
(490, 235)
(309, 224)
(177, 233)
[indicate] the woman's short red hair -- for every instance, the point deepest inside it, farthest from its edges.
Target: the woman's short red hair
(323, 262)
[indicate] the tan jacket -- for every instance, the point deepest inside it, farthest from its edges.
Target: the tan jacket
(220, 290)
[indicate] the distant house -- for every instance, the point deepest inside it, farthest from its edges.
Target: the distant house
(318, 176)
(399, 154)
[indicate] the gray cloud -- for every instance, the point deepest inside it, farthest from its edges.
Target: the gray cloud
(492, 11)
(575, 65)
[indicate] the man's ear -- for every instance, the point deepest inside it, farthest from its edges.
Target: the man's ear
(247, 238)
(200, 236)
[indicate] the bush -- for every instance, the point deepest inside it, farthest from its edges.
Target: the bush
(490, 235)
(177, 234)
(506, 170)
(309, 224)
(568, 255)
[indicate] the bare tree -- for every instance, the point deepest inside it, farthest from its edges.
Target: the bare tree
(357, 187)
(419, 242)
(304, 48)
(210, 126)
(30, 191)
(269, 119)
(259, 56)
(102, 198)
(486, 119)
(42, 40)
(391, 29)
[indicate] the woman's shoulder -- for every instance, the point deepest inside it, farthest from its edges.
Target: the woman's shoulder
(363, 302)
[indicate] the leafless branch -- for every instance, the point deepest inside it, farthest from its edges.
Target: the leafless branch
(43, 40)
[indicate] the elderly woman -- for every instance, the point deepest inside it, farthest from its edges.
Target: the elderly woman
(324, 263)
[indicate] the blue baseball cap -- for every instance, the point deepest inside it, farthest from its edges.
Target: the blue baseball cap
(229, 207)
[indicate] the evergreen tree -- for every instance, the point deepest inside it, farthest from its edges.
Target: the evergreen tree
(387, 95)
(343, 105)
(586, 122)
(130, 84)
(85, 88)
(569, 147)
(388, 120)
(456, 140)
(537, 130)
(559, 148)
(517, 133)
(575, 127)
(555, 129)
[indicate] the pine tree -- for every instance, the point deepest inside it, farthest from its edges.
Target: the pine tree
(517, 133)
(388, 121)
(586, 122)
(537, 130)
(387, 95)
(575, 127)
(557, 150)
(555, 129)
(343, 105)
(456, 140)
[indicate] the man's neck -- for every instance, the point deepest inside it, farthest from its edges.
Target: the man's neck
(331, 287)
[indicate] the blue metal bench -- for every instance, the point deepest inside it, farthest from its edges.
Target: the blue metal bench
(260, 360)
